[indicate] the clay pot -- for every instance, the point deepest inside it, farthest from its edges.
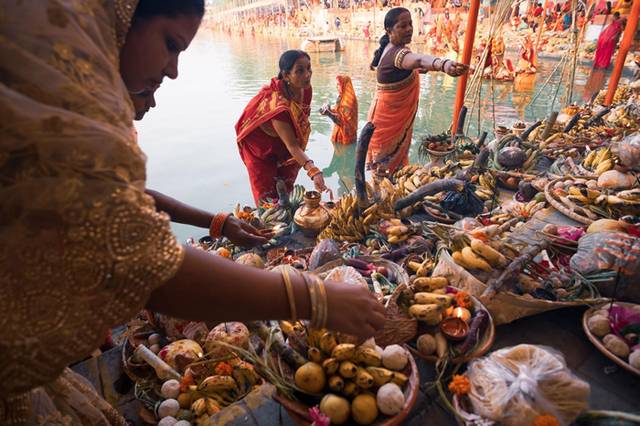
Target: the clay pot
(312, 217)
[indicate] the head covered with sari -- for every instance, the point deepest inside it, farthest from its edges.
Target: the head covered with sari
(272, 101)
(81, 245)
(346, 111)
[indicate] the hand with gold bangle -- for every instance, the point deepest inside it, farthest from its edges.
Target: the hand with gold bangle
(330, 304)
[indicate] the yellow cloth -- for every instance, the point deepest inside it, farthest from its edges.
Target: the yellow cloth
(81, 245)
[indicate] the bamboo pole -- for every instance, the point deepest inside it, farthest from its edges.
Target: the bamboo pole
(574, 42)
(627, 39)
(469, 36)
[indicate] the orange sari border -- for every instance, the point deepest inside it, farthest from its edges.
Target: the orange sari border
(270, 102)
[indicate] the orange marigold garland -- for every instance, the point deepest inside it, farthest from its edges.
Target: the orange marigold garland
(463, 300)
(546, 420)
(460, 385)
(223, 369)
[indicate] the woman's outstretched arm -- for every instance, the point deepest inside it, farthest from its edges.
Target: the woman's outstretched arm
(425, 63)
(212, 288)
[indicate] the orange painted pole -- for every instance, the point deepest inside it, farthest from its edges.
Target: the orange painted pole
(625, 45)
(469, 36)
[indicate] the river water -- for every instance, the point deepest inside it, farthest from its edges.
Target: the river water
(189, 137)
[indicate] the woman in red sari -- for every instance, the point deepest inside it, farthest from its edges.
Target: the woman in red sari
(607, 42)
(398, 91)
(273, 130)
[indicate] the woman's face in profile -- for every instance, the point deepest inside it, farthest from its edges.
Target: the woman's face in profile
(152, 48)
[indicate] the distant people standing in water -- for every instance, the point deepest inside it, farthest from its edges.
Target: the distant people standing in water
(345, 113)
(366, 30)
(273, 130)
(607, 42)
(394, 106)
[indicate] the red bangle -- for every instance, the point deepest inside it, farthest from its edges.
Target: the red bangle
(215, 229)
(313, 171)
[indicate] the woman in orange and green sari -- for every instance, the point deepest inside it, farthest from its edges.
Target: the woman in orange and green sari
(398, 91)
(345, 113)
(273, 130)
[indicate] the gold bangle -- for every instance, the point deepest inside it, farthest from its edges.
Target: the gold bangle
(290, 295)
(313, 297)
(324, 306)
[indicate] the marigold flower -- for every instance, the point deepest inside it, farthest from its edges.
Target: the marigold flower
(460, 385)
(223, 369)
(463, 300)
(546, 420)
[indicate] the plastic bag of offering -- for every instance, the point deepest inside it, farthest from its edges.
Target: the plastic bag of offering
(629, 151)
(464, 202)
(513, 386)
(346, 274)
(611, 251)
(324, 252)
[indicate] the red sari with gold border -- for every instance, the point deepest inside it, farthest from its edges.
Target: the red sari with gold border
(263, 152)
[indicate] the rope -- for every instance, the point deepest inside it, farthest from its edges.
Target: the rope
(474, 88)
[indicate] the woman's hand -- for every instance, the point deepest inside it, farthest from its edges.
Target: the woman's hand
(455, 69)
(243, 234)
(353, 309)
(318, 182)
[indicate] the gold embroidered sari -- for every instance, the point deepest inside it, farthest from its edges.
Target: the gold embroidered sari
(81, 245)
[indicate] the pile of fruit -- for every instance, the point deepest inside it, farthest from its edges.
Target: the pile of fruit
(354, 382)
(196, 379)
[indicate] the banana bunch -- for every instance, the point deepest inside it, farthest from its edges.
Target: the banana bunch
(527, 210)
(485, 186)
(479, 256)
(275, 214)
(421, 269)
(395, 231)
(532, 157)
(345, 223)
(583, 194)
(407, 170)
(412, 181)
(599, 161)
(296, 197)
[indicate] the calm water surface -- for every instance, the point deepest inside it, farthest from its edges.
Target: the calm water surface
(190, 139)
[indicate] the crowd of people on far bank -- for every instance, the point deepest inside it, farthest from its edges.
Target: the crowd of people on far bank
(439, 25)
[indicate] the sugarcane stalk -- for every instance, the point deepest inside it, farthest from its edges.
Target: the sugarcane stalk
(290, 356)
(429, 189)
(550, 122)
(361, 158)
(530, 129)
(571, 124)
(512, 271)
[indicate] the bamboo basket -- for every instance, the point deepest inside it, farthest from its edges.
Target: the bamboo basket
(598, 342)
(561, 207)
(505, 306)
(399, 327)
(299, 411)
(481, 348)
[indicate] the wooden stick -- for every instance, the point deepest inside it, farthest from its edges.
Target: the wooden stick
(429, 189)
(513, 270)
(361, 158)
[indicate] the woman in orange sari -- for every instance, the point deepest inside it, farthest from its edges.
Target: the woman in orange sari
(398, 91)
(345, 113)
(273, 130)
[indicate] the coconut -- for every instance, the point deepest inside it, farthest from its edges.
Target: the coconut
(511, 157)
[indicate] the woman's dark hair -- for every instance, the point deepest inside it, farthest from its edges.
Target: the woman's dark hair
(390, 19)
(288, 60)
(168, 8)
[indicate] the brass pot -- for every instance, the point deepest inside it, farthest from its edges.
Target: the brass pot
(312, 217)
